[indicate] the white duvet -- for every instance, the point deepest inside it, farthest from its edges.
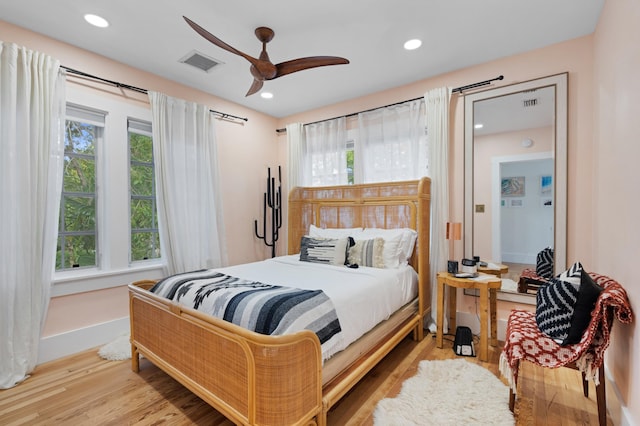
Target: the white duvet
(362, 297)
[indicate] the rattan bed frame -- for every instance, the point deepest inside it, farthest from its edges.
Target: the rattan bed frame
(256, 379)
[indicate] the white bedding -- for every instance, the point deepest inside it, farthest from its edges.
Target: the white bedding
(362, 297)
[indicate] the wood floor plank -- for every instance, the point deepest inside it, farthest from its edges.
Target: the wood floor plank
(84, 389)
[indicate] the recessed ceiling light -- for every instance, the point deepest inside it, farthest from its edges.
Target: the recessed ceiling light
(478, 126)
(266, 95)
(413, 44)
(96, 20)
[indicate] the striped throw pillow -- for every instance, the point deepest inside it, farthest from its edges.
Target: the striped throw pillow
(324, 250)
(367, 253)
(564, 305)
(544, 263)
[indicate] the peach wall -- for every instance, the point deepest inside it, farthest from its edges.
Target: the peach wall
(616, 177)
(67, 312)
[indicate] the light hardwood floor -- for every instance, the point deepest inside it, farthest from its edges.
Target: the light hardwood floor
(84, 389)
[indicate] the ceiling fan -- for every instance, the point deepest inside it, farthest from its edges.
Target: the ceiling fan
(262, 68)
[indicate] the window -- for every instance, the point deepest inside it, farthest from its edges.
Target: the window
(350, 165)
(145, 238)
(385, 144)
(108, 225)
(77, 235)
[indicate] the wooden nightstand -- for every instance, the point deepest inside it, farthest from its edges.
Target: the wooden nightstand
(487, 289)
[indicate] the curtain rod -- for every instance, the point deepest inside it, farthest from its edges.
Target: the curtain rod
(457, 89)
(139, 90)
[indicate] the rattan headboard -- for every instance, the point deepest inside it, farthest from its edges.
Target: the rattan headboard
(377, 205)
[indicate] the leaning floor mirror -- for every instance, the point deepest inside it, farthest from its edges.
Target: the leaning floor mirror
(515, 182)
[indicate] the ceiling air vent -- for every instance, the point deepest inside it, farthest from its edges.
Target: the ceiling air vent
(530, 102)
(200, 61)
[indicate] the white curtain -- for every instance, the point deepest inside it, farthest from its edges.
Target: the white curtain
(325, 153)
(187, 185)
(32, 105)
(295, 141)
(391, 144)
(437, 111)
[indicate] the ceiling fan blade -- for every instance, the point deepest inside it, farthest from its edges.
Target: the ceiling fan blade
(221, 44)
(255, 87)
(300, 64)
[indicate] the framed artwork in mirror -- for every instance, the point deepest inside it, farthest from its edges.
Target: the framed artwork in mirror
(512, 187)
(546, 185)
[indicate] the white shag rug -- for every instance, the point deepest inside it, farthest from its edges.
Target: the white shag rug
(448, 392)
(117, 350)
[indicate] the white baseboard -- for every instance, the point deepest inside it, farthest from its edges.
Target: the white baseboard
(71, 342)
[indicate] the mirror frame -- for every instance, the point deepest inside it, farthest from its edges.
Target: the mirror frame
(560, 83)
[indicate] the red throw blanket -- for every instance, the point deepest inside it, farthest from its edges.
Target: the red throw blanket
(525, 341)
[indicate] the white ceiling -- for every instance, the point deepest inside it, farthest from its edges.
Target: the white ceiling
(151, 35)
(517, 111)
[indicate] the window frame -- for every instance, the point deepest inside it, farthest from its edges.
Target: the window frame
(112, 179)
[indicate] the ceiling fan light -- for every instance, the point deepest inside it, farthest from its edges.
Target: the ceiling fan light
(412, 44)
(96, 20)
(266, 95)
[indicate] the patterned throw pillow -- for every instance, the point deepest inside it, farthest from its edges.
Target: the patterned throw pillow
(367, 253)
(398, 244)
(564, 305)
(324, 250)
(544, 263)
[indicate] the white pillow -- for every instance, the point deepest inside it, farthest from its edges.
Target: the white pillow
(398, 244)
(316, 232)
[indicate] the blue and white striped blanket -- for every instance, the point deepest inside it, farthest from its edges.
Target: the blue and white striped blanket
(263, 308)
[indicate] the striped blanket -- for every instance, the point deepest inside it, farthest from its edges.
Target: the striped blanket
(263, 308)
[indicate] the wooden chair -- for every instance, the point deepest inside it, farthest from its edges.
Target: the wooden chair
(525, 342)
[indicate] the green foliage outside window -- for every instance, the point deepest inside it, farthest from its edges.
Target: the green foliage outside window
(350, 166)
(145, 239)
(77, 228)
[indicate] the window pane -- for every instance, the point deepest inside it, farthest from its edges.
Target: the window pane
(80, 138)
(141, 148)
(77, 234)
(145, 237)
(79, 174)
(145, 245)
(350, 166)
(79, 214)
(141, 180)
(142, 214)
(79, 251)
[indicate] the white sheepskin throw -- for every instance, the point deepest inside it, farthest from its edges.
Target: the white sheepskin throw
(118, 350)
